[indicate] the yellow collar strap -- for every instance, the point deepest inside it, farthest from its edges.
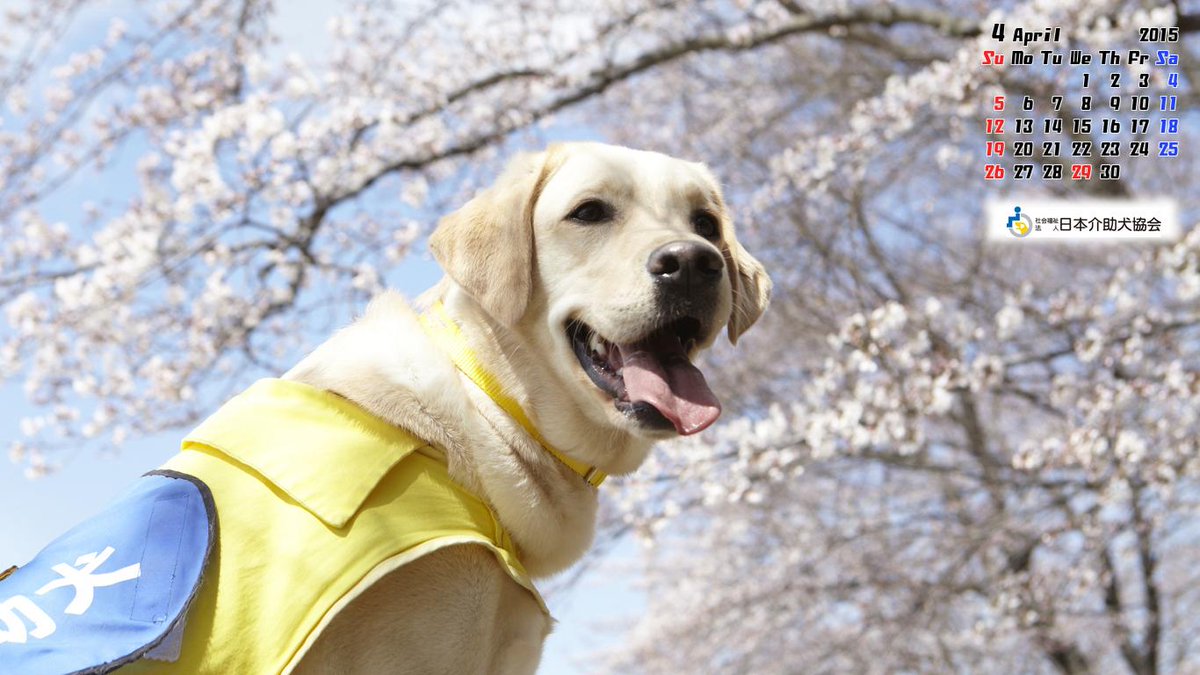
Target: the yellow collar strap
(446, 333)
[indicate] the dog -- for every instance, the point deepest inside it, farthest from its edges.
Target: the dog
(559, 347)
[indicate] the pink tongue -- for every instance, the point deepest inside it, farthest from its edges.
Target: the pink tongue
(658, 372)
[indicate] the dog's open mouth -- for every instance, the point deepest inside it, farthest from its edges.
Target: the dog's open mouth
(650, 379)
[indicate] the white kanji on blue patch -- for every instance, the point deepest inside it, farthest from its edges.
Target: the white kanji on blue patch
(82, 577)
(14, 627)
(85, 579)
(117, 603)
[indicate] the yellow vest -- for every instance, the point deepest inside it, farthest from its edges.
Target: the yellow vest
(316, 499)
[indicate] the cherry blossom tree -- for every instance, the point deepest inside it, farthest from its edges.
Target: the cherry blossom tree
(939, 454)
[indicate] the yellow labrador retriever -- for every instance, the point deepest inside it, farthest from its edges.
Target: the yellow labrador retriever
(559, 347)
(587, 279)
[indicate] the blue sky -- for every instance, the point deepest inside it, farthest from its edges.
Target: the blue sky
(37, 511)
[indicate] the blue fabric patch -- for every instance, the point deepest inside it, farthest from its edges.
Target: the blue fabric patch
(111, 589)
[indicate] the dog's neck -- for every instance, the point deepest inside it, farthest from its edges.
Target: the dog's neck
(521, 359)
(386, 363)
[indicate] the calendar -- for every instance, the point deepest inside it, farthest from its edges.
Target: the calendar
(1083, 117)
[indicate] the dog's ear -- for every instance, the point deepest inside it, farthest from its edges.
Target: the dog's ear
(487, 245)
(751, 289)
(748, 279)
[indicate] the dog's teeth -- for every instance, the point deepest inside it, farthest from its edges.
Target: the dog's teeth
(598, 345)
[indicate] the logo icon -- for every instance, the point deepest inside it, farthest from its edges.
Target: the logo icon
(1020, 224)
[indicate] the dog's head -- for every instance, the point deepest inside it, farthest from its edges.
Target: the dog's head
(623, 265)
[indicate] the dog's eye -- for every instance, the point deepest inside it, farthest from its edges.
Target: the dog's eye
(592, 211)
(706, 224)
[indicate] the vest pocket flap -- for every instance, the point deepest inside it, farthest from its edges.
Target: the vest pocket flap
(322, 450)
(114, 588)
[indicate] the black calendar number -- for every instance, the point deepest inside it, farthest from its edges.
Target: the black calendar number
(1052, 172)
(1110, 171)
(1023, 149)
(1139, 148)
(1081, 148)
(1110, 149)
(1165, 34)
(1051, 148)
(1022, 171)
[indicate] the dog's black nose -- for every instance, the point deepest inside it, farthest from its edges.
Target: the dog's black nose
(685, 266)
